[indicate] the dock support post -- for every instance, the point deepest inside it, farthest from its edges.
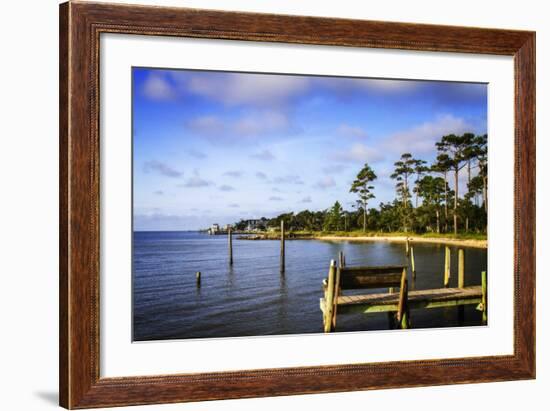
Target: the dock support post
(230, 240)
(484, 295)
(341, 260)
(282, 246)
(329, 300)
(447, 273)
(413, 267)
(460, 283)
(460, 268)
(198, 276)
(403, 309)
(407, 245)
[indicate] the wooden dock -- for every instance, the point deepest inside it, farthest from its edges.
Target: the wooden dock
(343, 278)
(386, 302)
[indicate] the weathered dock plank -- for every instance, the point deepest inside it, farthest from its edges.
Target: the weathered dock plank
(384, 302)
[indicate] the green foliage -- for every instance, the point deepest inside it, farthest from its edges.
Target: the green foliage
(362, 187)
(333, 218)
(429, 213)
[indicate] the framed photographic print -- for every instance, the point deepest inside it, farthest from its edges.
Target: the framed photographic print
(257, 205)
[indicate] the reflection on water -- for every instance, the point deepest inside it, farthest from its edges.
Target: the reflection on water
(253, 298)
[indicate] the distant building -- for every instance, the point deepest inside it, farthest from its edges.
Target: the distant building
(255, 225)
(214, 229)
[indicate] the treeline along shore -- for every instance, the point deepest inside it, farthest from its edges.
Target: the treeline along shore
(477, 241)
(429, 203)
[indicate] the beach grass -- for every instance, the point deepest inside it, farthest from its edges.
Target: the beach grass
(360, 233)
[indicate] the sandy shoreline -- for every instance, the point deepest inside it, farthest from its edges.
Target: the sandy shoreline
(412, 239)
(395, 239)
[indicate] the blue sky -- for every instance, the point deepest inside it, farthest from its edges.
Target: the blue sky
(215, 147)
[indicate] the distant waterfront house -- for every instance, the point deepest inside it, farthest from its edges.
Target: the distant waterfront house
(214, 229)
(255, 225)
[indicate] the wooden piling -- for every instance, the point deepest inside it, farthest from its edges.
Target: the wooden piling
(407, 245)
(413, 267)
(230, 240)
(460, 283)
(341, 259)
(198, 276)
(402, 309)
(484, 295)
(460, 268)
(335, 298)
(282, 246)
(329, 301)
(341, 264)
(447, 273)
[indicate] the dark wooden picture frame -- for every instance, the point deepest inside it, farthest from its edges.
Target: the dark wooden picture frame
(80, 27)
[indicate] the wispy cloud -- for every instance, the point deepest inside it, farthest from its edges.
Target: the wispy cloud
(261, 176)
(351, 131)
(325, 182)
(158, 192)
(288, 179)
(196, 181)
(161, 168)
(157, 87)
(306, 199)
(196, 153)
(252, 124)
(275, 198)
(261, 123)
(344, 85)
(421, 139)
(264, 155)
(334, 168)
(207, 125)
(234, 205)
(233, 173)
(243, 89)
(226, 187)
(359, 153)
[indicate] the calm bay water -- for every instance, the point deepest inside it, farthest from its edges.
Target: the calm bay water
(253, 298)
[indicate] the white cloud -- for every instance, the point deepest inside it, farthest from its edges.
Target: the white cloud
(225, 187)
(325, 182)
(306, 199)
(156, 87)
(390, 86)
(379, 86)
(275, 198)
(255, 123)
(233, 173)
(289, 179)
(209, 126)
(264, 155)
(196, 153)
(261, 176)
(196, 181)
(161, 168)
(360, 153)
(334, 168)
(421, 139)
(245, 88)
(264, 122)
(351, 131)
